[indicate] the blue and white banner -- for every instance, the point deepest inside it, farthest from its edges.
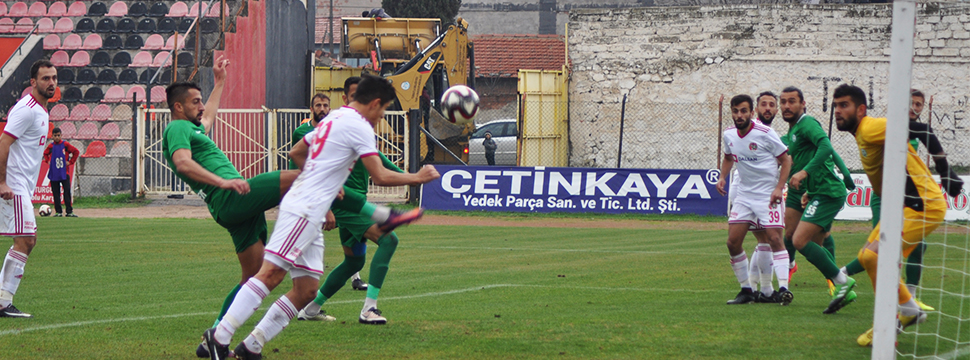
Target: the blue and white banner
(577, 190)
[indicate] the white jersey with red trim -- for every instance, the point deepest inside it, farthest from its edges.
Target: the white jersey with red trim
(26, 122)
(334, 146)
(756, 156)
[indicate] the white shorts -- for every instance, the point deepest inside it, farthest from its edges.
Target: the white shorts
(18, 217)
(757, 212)
(296, 246)
(733, 194)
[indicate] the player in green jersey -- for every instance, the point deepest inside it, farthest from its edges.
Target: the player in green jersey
(813, 173)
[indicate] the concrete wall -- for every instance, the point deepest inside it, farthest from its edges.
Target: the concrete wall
(693, 55)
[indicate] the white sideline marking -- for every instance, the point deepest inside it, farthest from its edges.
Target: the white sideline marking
(403, 297)
(955, 354)
(565, 250)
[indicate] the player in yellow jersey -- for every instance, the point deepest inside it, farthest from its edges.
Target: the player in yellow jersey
(924, 204)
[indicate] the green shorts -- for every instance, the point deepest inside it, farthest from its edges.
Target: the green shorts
(352, 227)
(821, 210)
(793, 200)
(244, 215)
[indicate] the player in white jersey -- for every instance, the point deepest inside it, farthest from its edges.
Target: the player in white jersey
(326, 156)
(758, 151)
(21, 150)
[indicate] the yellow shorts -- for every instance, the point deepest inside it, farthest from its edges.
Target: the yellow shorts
(916, 226)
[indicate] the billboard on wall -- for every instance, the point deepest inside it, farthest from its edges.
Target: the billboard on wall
(857, 203)
(576, 190)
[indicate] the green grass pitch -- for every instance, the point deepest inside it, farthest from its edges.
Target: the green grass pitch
(127, 289)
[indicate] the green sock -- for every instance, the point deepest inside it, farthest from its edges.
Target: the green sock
(226, 303)
(790, 246)
(338, 277)
(819, 257)
(829, 245)
(386, 246)
(854, 267)
(875, 204)
(372, 291)
(914, 264)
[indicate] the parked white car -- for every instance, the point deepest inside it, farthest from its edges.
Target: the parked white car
(505, 133)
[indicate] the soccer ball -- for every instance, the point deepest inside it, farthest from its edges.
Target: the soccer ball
(460, 104)
(45, 210)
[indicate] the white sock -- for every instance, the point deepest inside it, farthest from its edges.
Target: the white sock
(381, 213)
(740, 265)
(368, 304)
(753, 269)
(840, 279)
(765, 267)
(356, 276)
(909, 308)
(313, 309)
(247, 300)
(912, 289)
(781, 270)
(275, 320)
(10, 275)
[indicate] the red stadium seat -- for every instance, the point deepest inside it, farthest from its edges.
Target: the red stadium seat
(17, 10)
(170, 43)
(158, 94)
(52, 42)
(37, 9)
(102, 112)
(214, 10)
(141, 59)
(71, 42)
(121, 112)
(92, 42)
(57, 9)
(194, 10)
(67, 130)
(119, 8)
(95, 150)
(154, 42)
(109, 131)
(87, 131)
(178, 9)
(59, 112)
(80, 112)
(80, 58)
(24, 25)
(138, 92)
(64, 25)
(162, 59)
(45, 25)
(121, 149)
(114, 94)
(6, 25)
(60, 58)
(3, 9)
(77, 9)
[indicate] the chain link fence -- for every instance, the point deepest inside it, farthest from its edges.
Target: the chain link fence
(102, 133)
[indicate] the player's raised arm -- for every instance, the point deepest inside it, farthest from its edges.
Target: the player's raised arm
(191, 169)
(846, 176)
(212, 106)
(385, 177)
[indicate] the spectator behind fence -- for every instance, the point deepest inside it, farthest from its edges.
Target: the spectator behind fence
(490, 147)
(59, 155)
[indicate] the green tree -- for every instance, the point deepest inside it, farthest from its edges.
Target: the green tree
(446, 10)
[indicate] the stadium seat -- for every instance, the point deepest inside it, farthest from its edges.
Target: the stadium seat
(65, 76)
(80, 112)
(146, 76)
(67, 130)
(121, 112)
(63, 25)
(52, 42)
(80, 58)
(170, 43)
(72, 94)
(100, 58)
(167, 26)
(121, 59)
(6, 25)
(120, 149)
(71, 42)
(37, 9)
(178, 9)
(158, 9)
(158, 93)
(115, 94)
(85, 77)
(165, 78)
(3, 9)
(45, 25)
(24, 25)
(106, 25)
(60, 58)
(214, 10)
(77, 8)
(57, 9)
(125, 131)
(112, 42)
(163, 59)
(107, 76)
(190, 42)
(95, 149)
(18, 9)
(24, 93)
(146, 26)
(138, 92)
(109, 131)
(128, 76)
(134, 42)
(119, 8)
(186, 59)
(59, 112)
(97, 9)
(102, 112)
(185, 25)
(92, 42)
(83, 25)
(126, 25)
(209, 26)
(138, 9)
(87, 131)
(154, 42)
(141, 59)
(94, 94)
